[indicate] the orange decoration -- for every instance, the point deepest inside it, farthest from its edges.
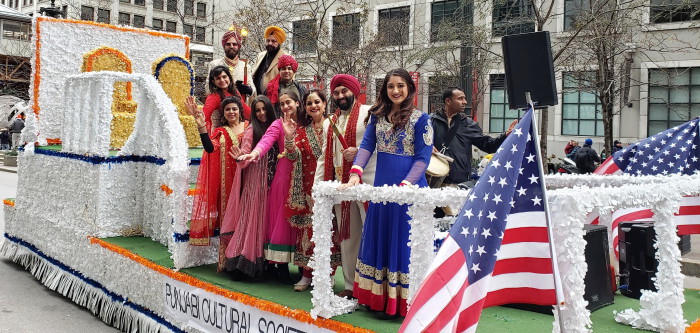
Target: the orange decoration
(9, 202)
(54, 141)
(694, 327)
(192, 192)
(299, 315)
(37, 33)
(166, 189)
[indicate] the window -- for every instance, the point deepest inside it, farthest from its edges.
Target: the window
(188, 30)
(201, 9)
(445, 17)
(172, 5)
(15, 30)
(664, 11)
(157, 24)
(436, 85)
(124, 18)
(87, 13)
(304, 33)
(103, 15)
(500, 115)
(189, 7)
(140, 2)
(512, 17)
(200, 34)
(674, 97)
(125, 1)
(581, 111)
(158, 4)
(394, 24)
(139, 21)
(346, 31)
(170, 26)
(574, 10)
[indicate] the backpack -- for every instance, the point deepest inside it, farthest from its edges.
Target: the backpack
(583, 158)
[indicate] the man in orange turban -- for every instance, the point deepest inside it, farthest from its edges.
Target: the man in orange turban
(266, 64)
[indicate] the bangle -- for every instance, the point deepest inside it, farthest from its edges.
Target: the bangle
(405, 183)
(356, 170)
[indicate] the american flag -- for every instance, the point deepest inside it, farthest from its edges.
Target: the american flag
(498, 249)
(673, 151)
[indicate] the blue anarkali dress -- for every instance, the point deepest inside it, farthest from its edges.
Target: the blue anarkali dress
(381, 276)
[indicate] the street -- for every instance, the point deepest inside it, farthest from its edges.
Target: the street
(27, 306)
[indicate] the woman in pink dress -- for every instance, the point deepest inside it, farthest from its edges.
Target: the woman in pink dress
(280, 236)
(245, 257)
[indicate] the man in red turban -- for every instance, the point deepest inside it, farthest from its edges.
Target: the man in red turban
(284, 81)
(335, 163)
(232, 41)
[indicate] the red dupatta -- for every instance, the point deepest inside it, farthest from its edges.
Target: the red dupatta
(342, 175)
(307, 149)
(215, 180)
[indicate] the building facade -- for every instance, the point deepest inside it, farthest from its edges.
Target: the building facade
(15, 51)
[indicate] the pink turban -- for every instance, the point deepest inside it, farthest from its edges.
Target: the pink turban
(231, 33)
(347, 81)
(287, 60)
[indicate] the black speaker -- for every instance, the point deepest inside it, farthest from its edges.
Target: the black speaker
(684, 244)
(528, 64)
(599, 291)
(599, 287)
(637, 263)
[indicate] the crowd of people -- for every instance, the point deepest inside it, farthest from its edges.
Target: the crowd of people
(267, 154)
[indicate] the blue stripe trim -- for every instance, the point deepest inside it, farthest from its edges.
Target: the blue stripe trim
(195, 161)
(182, 60)
(186, 236)
(101, 159)
(113, 296)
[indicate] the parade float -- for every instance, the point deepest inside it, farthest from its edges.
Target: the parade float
(103, 201)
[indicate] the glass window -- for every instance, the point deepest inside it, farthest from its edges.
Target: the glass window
(172, 5)
(170, 26)
(574, 10)
(157, 24)
(582, 113)
(394, 24)
(512, 17)
(103, 15)
(304, 33)
(445, 16)
(665, 11)
(188, 30)
(140, 2)
(673, 97)
(200, 34)
(87, 13)
(189, 7)
(158, 4)
(346, 31)
(139, 21)
(124, 18)
(12, 30)
(500, 116)
(436, 86)
(125, 1)
(201, 9)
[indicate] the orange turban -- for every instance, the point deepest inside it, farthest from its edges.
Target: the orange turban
(277, 32)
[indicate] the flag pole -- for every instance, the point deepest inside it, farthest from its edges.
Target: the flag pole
(555, 269)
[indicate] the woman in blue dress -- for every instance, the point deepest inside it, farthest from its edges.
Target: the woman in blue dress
(403, 140)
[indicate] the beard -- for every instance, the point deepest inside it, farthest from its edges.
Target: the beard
(271, 48)
(345, 103)
(231, 53)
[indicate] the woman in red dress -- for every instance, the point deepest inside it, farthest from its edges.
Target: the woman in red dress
(221, 86)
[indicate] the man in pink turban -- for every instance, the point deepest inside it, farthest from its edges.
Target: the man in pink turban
(335, 163)
(232, 41)
(284, 81)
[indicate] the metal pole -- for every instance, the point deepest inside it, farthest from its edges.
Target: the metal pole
(555, 269)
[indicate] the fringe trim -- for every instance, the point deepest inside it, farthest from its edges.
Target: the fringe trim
(110, 308)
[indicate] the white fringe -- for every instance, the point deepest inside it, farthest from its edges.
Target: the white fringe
(112, 312)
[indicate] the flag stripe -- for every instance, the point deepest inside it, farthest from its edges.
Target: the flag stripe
(533, 250)
(528, 234)
(521, 280)
(521, 295)
(530, 265)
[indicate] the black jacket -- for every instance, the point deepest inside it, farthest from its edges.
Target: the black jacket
(585, 158)
(469, 133)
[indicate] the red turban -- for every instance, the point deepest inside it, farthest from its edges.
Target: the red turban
(347, 81)
(287, 60)
(231, 33)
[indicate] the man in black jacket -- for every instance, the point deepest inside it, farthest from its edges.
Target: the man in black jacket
(586, 158)
(467, 133)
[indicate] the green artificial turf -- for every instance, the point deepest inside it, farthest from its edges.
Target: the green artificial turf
(495, 319)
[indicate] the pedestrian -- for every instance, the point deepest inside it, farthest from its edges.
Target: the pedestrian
(617, 145)
(16, 130)
(266, 64)
(5, 139)
(586, 157)
(574, 147)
